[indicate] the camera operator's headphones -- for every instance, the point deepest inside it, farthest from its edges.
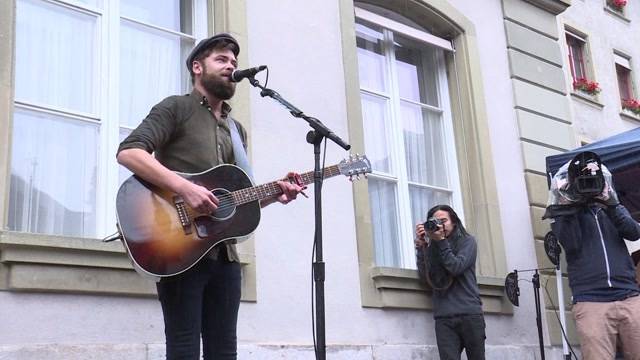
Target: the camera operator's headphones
(585, 174)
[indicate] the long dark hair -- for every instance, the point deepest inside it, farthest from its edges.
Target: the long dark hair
(452, 214)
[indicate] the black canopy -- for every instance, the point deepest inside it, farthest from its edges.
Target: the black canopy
(621, 154)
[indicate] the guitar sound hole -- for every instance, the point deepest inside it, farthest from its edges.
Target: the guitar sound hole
(226, 206)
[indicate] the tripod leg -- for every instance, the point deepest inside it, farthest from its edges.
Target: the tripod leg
(536, 295)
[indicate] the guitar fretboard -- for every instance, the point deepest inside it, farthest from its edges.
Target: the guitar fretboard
(271, 189)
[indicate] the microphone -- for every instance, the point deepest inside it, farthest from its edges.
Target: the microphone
(238, 75)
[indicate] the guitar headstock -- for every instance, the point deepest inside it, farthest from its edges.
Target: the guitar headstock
(355, 166)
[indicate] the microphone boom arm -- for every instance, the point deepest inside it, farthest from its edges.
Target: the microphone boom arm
(316, 124)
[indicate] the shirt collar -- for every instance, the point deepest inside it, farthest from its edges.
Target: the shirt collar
(202, 100)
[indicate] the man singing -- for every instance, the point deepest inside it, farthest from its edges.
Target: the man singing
(191, 134)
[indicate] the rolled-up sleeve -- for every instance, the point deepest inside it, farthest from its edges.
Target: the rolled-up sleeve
(155, 129)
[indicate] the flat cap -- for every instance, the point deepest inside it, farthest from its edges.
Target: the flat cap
(208, 43)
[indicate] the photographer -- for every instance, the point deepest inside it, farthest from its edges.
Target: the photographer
(591, 227)
(446, 259)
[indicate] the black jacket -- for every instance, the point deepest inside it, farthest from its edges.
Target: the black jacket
(455, 258)
(597, 257)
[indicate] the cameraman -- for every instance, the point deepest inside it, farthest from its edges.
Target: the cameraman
(592, 229)
(446, 259)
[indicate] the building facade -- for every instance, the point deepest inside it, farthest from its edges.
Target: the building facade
(455, 102)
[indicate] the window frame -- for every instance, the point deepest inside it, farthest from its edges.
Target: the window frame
(622, 64)
(32, 262)
(384, 287)
(399, 176)
(571, 39)
(108, 23)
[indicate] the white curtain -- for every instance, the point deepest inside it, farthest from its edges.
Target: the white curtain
(56, 138)
(150, 69)
(413, 130)
(384, 214)
(56, 56)
(53, 175)
(54, 158)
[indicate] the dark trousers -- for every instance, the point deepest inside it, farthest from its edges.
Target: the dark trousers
(461, 332)
(203, 300)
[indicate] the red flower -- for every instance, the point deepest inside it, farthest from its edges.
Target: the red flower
(587, 86)
(617, 5)
(632, 105)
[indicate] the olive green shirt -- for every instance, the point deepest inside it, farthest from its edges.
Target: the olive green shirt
(185, 136)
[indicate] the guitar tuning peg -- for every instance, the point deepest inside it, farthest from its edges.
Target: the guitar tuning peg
(358, 177)
(351, 178)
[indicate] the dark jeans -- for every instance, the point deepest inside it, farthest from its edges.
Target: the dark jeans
(461, 332)
(203, 300)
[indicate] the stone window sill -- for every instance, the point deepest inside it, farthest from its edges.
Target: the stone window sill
(625, 114)
(585, 98)
(401, 288)
(47, 263)
(617, 14)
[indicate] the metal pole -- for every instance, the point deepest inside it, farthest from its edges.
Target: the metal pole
(563, 320)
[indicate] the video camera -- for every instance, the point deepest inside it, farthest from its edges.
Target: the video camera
(585, 174)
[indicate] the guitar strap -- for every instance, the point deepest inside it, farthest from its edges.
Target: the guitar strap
(238, 148)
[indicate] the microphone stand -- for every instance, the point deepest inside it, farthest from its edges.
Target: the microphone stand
(315, 137)
(535, 280)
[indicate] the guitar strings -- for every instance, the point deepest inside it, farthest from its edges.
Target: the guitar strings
(228, 200)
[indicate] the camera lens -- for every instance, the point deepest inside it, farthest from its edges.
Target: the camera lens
(432, 224)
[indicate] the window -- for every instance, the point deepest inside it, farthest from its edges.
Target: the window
(87, 72)
(576, 50)
(405, 98)
(623, 73)
(408, 133)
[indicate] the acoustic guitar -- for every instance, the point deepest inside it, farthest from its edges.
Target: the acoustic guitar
(163, 236)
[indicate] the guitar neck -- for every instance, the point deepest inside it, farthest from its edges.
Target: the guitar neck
(272, 189)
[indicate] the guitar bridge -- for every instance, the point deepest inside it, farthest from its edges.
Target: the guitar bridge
(183, 214)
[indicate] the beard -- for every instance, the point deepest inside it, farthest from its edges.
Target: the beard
(217, 85)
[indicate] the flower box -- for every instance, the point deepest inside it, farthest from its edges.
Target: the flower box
(587, 86)
(617, 5)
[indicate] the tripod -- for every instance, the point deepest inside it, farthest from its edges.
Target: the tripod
(513, 292)
(536, 295)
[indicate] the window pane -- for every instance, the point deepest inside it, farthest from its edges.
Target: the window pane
(425, 152)
(417, 76)
(423, 199)
(374, 114)
(576, 57)
(371, 64)
(624, 82)
(170, 14)
(151, 68)
(53, 175)
(55, 56)
(382, 195)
